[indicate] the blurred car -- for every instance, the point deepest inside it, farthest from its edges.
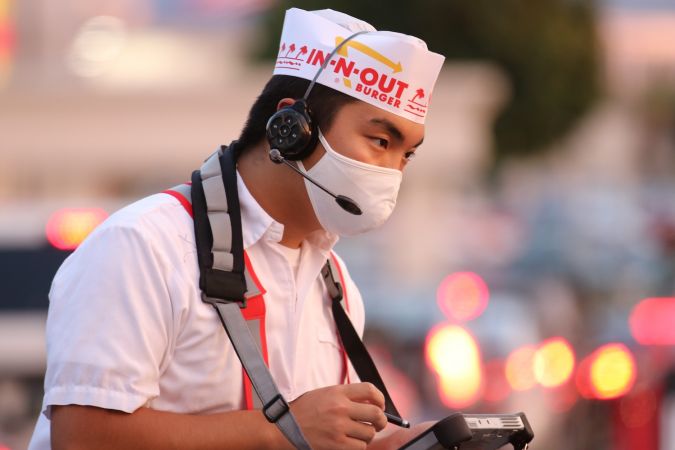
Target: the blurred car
(35, 239)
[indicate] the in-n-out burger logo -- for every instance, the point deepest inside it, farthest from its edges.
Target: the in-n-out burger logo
(369, 81)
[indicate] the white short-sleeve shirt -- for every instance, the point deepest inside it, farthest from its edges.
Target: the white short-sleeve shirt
(127, 328)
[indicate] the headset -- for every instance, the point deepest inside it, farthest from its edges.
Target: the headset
(292, 135)
(291, 130)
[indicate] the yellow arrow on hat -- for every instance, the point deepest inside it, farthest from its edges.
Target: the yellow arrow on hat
(395, 67)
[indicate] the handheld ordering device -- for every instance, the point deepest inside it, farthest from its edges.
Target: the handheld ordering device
(475, 432)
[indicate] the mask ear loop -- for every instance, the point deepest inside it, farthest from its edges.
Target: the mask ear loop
(326, 61)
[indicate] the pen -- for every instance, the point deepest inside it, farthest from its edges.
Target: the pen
(397, 420)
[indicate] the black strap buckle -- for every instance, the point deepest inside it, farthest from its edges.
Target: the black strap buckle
(275, 409)
(334, 287)
(213, 301)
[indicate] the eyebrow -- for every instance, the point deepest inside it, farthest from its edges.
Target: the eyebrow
(392, 129)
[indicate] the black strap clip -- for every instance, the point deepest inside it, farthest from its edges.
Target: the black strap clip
(332, 284)
(214, 301)
(275, 409)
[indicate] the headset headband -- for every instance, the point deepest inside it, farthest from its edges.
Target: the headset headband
(326, 61)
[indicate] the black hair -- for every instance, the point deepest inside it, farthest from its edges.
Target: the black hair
(323, 103)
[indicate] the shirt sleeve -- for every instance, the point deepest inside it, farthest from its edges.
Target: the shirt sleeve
(109, 324)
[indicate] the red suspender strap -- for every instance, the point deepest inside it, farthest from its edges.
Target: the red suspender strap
(255, 307)
(255, 310)
(345, 361)
(181, 198)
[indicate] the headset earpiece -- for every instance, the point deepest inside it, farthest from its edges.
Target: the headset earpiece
(290, 130)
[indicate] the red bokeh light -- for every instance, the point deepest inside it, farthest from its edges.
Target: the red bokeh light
(652, 321)
(563, 398)
(496, 387)
(583, 378)
(638, 408)
(462, 296)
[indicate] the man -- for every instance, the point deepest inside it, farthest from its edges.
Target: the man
(136, 360)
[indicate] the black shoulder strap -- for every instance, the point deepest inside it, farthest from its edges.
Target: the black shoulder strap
(354, 347)
(220, 254)
(215, 282)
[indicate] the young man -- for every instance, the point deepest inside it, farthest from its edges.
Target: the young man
(136, 359)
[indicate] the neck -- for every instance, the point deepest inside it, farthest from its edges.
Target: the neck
(280, 192)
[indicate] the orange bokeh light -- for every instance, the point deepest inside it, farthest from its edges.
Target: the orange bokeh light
(453, 354)
(462, 296)
(612, 371)
(553, 362)
(519, 368)
(67, 228)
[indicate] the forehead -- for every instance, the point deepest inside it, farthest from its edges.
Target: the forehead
(361, 115)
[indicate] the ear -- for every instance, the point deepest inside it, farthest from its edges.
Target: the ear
(284, 102)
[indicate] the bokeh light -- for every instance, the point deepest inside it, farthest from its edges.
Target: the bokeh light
(496, 387)
(462, 296)
(562, 398)
(553, 362)
(453, 354)
(651, 321)
(7, 41)
(519, 368)
(638, 408)
(583, 377)
(67, 228)
(612, 371)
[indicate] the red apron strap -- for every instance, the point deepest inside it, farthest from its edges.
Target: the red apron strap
(180, 193)
(254, 314)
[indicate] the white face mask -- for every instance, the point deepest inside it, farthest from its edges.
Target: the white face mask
(374, 188)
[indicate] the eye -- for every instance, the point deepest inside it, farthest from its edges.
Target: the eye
(409, 156)
(380, 142)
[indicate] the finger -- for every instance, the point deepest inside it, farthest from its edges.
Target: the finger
(361, 431)
(372, 414)
(364, 392)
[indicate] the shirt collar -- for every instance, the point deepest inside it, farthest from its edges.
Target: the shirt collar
(257, 223)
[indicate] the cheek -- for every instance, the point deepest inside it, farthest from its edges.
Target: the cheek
(358, 148)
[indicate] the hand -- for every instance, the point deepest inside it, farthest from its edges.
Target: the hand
(340, 417)
(396, 437)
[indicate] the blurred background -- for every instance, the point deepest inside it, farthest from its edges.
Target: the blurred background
(529, 265)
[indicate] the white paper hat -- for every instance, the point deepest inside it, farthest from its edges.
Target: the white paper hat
(393, 71)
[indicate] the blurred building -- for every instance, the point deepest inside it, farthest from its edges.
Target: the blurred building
(104, 102)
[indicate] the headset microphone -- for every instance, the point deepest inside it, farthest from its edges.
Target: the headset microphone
(345, 202)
